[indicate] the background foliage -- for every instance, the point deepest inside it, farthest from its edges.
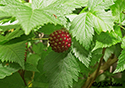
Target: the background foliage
(97, 28)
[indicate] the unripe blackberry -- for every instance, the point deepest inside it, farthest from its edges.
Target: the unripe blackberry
(60, 40)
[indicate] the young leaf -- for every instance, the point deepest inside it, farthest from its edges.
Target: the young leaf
(121, 62)
(13, 53)
(61, 69)
(13, 81)
(41, 12)
(81, 53)
(82, 29)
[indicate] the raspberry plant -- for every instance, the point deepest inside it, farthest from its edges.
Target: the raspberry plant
(97, 45)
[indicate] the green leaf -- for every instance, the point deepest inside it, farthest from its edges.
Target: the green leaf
(8, 69)
(106, 39)
(12, 35)
(33, 59)
(6, 27)
(80, 53)
(61, 69)
(99, 4)
(3, 14)
(108, 52)
(117, 9)
(123, 42)
(121, 62)
(41, 12)
(13, 53)
(49, 28)
(13, 81)
(82, 29)
(30, 67)
(102, 21)
(95, 56)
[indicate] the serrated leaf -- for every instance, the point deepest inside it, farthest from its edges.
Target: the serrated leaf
(82, 29)
(80, 53)
(13, 53)
(11, 82)
(61, 69)
(12, 35)
(123, 42)
(30, 67)
(7, 70)
(3, 14)
(52, 12)
(102, 21)
(121, 62)
(106, 39)
(99, 4)
(117, 9)
(6, 27)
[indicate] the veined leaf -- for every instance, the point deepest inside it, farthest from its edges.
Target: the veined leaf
(7, 70)
(61, 69)
(82, 29)
(121, 62)
(123, 42)
(41, 12)
(99, 4)
(13, 53)
(102, 21)
(80, 53)
(13, 81)
(106, 39)
(117, 9)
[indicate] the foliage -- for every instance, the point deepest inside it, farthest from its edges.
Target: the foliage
(97, 28)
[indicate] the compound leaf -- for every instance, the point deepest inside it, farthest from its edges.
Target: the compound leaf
(41, 12)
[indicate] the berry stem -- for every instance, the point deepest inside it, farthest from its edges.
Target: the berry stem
(40, 38)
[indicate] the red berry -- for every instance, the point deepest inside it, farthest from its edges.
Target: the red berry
(60, 40)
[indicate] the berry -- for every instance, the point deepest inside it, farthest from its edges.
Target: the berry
(60, 40)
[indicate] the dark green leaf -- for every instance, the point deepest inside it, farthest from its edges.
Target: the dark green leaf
(61, 69)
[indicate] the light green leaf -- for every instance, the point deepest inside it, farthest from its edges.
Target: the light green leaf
(123, 42)
(7, 70)
(117, 9)
(121, 62)
(99, 4)
(81, 53)
(102, 21)
(3, 14)
(39, 14)
(82, 29)
(61, 69)
(13, 81)
(13, 53)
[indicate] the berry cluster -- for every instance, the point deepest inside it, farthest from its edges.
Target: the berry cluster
(60, 40)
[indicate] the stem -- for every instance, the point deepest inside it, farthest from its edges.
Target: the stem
(120, 25)
(40, 38)
(83, 10)
(93, 76)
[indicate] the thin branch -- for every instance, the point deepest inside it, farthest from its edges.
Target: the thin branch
(103, 68)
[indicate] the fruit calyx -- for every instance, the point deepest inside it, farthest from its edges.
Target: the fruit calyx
(60, 40)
